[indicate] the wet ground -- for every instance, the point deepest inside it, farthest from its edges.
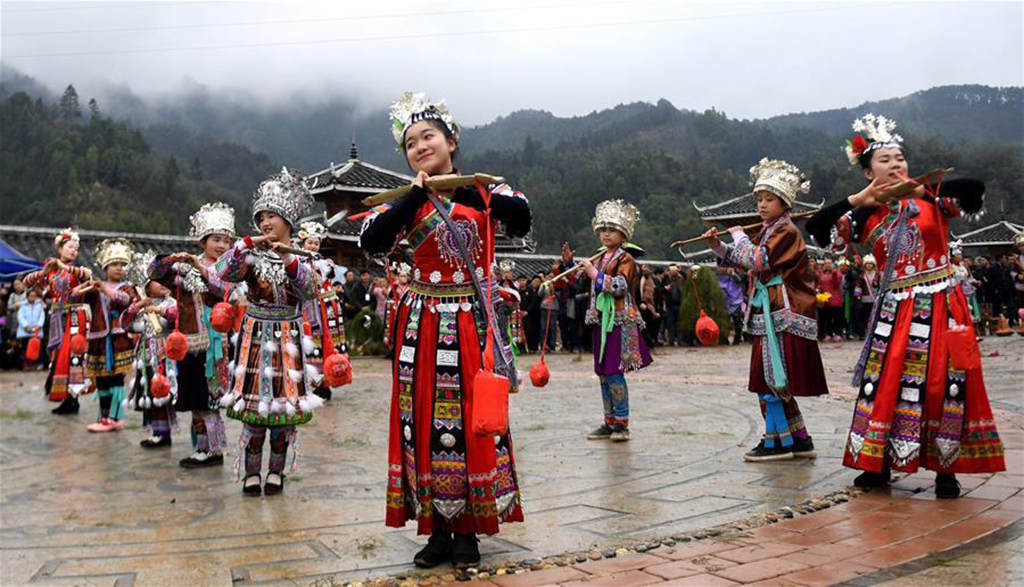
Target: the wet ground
(98, 509)
(999, 564)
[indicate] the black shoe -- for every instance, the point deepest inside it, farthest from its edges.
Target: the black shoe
(803, 448)
(602, 433)
(68, 406)
(465, 551)
(619, 434)
(762, 453)
(211, 460)
(160, 441)
(274, 484)
(437, 551)
(324, 392)
(946, 486)
(251, 485)
(869, 480)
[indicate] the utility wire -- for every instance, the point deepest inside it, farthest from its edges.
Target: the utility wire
(317, 20)
(91, 6)
(550, 28)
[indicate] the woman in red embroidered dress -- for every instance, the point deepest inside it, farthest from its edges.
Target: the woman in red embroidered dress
(59, 276)
(440, 473)
(915, 406)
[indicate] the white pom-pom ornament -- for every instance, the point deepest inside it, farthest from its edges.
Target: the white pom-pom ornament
(292, 350)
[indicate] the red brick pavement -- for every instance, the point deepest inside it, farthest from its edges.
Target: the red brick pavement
(877, 530)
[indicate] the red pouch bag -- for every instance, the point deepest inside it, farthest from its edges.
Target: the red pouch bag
(963, 348)
(490, 396)
(34, 346)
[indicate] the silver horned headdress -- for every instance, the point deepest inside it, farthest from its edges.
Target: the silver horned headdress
(114, 250)
(617, 214)
(283, 194)
(785, 180)
(138, 268)
(212, 218)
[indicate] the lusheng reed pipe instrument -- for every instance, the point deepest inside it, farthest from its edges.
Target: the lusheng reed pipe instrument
(437, 185)
(905, 188)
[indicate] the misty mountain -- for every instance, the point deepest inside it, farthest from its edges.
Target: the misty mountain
(309, 132)
(199, 145)
(981, 114)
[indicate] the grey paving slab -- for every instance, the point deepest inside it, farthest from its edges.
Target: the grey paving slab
(99, 510)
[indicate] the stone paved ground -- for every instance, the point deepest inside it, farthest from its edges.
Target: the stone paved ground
(86, 509)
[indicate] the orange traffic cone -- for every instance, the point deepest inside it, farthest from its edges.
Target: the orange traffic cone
(1004, 327)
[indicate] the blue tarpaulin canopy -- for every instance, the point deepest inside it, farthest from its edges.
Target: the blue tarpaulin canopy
(12, 262)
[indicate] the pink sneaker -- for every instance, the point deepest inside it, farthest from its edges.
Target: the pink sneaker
(104, 425)
(116, 424)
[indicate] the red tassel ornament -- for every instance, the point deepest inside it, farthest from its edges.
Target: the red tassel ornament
(707, 330)
(337, 370)
(222, 317)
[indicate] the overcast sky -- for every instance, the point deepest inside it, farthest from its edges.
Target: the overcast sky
(488, 58)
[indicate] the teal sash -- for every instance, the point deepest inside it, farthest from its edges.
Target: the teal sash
(214, 352)
(777, 379)
(605, 304)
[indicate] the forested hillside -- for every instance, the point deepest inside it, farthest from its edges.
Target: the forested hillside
(142, 165)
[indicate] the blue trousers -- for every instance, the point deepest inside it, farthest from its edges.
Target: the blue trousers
(615, 395)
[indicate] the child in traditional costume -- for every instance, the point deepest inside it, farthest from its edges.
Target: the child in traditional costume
(965, 280)
(614, 313)
(921, 395)
(152, 317)
(509, 291)
(865, 291)
(441, 473)
(111, 353)
(202, 373)
(270, 386)
(398, 284)
(324, 314)
(781, 312)
(68, 320)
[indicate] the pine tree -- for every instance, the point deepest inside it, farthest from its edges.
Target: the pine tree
(94, 108)
(68, 110)
(712, 301)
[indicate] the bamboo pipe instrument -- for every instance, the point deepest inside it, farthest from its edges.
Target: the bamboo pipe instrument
(569, 272)
(746, 228)
(294, 251)
(437, 185)
(897, 191)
